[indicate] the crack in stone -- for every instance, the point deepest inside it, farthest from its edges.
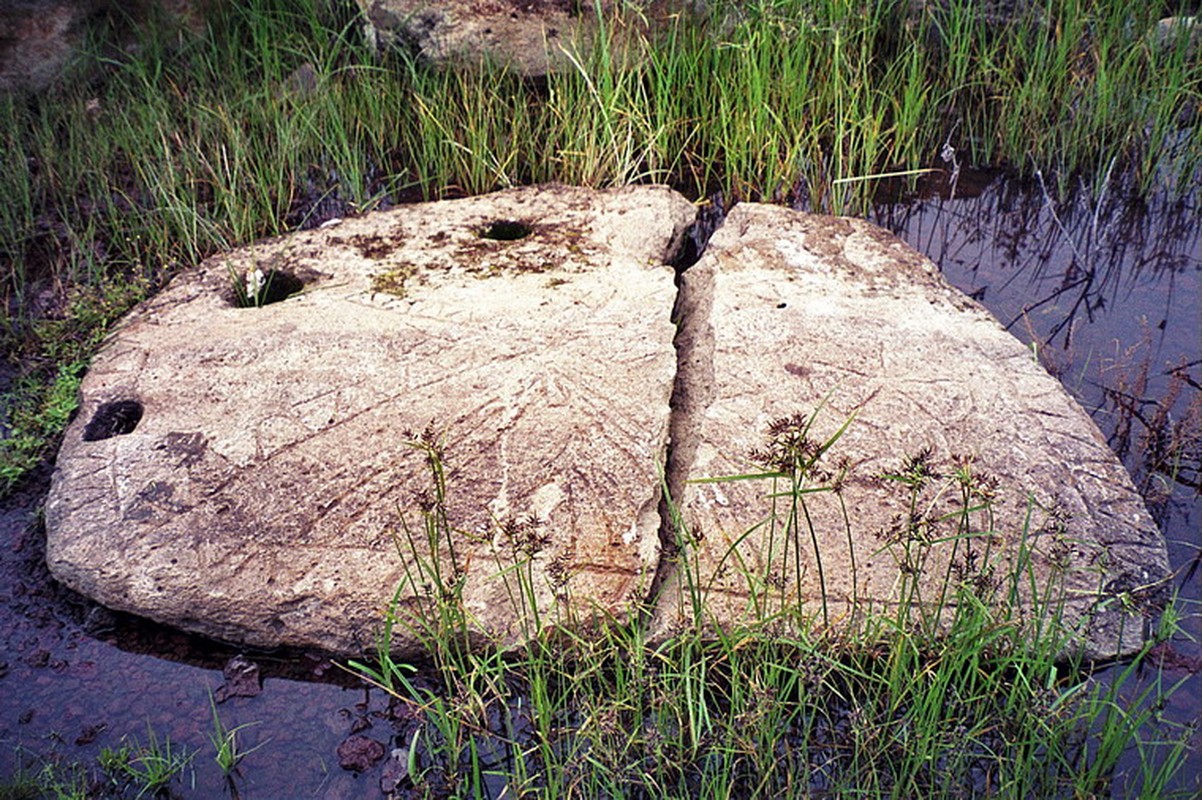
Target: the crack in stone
(692, 392)
(702, 375)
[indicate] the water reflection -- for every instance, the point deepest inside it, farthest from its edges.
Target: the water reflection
(1107, 294)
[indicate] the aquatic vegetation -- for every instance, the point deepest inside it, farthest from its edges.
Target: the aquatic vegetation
(132, 769)
(228, 752)
(957, 694)
(146, 767)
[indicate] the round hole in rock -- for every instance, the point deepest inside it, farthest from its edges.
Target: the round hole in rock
(506, 230)
(113, 419)
(262, 288)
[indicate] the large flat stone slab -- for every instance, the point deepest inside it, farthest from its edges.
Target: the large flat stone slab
(252, 459)
(250, 473)
(795, 327)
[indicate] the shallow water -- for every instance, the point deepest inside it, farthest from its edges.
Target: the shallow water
(1108, 293)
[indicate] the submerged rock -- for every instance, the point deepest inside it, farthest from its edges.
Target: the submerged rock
(242, 679)
(464, 407)
(359, 753)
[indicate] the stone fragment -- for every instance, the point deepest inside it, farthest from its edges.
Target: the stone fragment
(531, 37)
(359, 753)
(242, 679)
(37, 40)
(1164, 38)
(826, 348)
(40, 39)
(261, 471)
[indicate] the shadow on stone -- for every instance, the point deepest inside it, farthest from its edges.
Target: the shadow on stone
(113, 419)
(266, 287)
(506, 230)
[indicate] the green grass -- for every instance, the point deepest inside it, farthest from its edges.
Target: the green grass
(145, 769)
(130, 771)
(963, 692)
(228, 751)
(190, 146)
(49, 781)
(55, 352)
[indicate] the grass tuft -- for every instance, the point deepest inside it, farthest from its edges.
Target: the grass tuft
(964, 693)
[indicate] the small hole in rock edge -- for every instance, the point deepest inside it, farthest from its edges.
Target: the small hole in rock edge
(506, 230)
(262, 288)
(113, 419)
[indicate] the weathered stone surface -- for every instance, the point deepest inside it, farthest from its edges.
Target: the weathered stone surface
(40, 38)
(827, 321)
(244, 472)
(532, 37)
(1171, 30)
(36, 41)
(251, 473)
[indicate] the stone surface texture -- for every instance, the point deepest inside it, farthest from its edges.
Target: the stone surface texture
(271, 493)
(262, 474)
(40, 38)
(36, 41)
(839, 327)
(532, 37)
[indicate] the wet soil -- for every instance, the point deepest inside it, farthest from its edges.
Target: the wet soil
(1107, 294)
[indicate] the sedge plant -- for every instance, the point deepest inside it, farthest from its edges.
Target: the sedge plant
(961, 690)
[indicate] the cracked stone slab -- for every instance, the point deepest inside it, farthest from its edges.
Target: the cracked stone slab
(799, 332)
(251, 474)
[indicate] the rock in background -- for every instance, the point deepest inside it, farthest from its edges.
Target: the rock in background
(532, 37)
(251, 474)
(39, 39)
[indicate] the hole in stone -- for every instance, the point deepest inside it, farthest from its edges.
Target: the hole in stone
(113, 419)
(506, 230)
(264, 287)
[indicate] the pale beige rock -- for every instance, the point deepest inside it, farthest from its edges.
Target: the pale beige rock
(836, 320)
(261, 495)
(261, 482)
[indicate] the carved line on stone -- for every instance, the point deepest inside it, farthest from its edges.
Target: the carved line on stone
(694, 387)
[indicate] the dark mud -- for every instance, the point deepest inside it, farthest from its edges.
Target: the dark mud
(76, 677)
(1107, 294)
